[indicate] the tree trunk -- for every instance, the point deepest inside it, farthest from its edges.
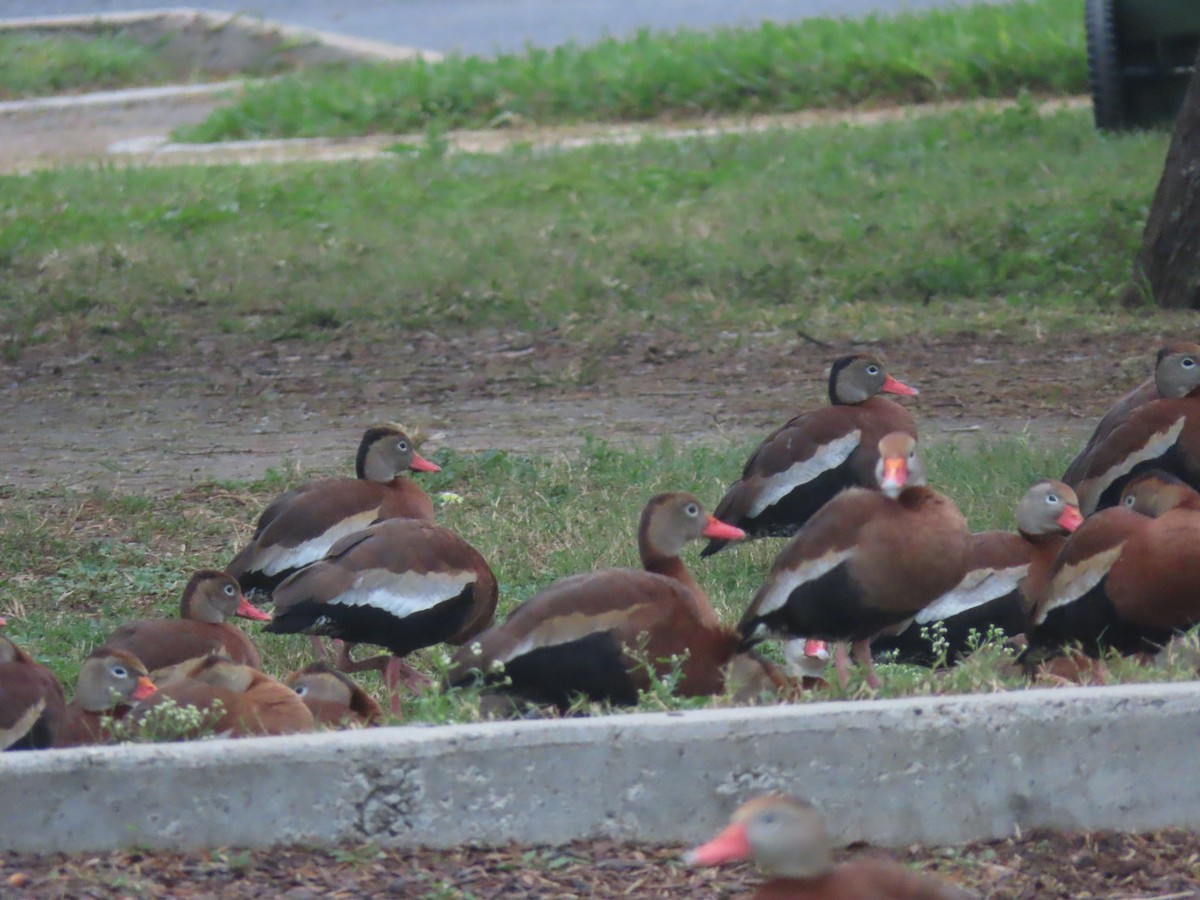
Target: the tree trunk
(1167, 268)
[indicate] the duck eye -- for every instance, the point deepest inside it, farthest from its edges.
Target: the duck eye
(402, 446)
(768, 818)
(872, 370)
(1129, 501)
(229, 590)
(692, 510)
(1052, 498)
(301, 689)
(119, 671)
(1187, 362)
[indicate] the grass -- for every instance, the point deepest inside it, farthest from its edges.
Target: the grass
(74, 566)
(958, 53)
(968, 220)
(35, 66)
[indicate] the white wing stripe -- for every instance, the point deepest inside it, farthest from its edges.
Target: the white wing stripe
(1073, 581)
(980, 586)
(789, 579)
(278, 558)
(406, 593)
(828, 456)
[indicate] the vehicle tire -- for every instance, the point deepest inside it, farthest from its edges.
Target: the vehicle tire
(1104, 65)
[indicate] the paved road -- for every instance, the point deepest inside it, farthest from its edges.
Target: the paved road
(483, 26)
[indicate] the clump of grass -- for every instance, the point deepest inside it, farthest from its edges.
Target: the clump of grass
(963, 52)
(32, 66)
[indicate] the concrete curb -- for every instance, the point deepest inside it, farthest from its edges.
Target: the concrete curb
(934, 771)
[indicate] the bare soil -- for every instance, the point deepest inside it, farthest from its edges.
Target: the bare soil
(228, 410)
(1162, 866)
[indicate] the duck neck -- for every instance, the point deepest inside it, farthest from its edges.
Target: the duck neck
(673, 567)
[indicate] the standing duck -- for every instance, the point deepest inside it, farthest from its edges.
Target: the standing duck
(865, 563)
(1176, 374)
(110, 681)
(1158, 434)
(334, 698)
(250, 702)
(32, 705)
(1128, 579)
(209, 598)
(788, 841)
(803, 465)
(301, 526)
(402, 584)
(1004, 577)
(592, 635)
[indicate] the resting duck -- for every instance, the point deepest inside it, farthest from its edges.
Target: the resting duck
(1176, 374)
(1128, 579)
(333, 698)
(1159, 434)
(301, 526)
(865, 562)
(588, 635)
(110, 681)
(402, 584)
(1004, 578)
(801, 466)
(788, 842)
(251, 703)
(32, 705)
(209, 598)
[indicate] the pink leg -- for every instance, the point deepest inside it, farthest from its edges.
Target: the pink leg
(318, 645)
(398, 672)
(841, 664)
(862, 655)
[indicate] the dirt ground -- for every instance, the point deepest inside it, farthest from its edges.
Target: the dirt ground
(1161, 866)
(220, 410)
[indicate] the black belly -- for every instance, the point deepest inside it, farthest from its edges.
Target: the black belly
(594, 667)
(1004, 613)
(1092, 623)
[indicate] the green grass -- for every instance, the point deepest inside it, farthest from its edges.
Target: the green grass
(968, 52)
(35, 66)
(964, 221)
(74, 566)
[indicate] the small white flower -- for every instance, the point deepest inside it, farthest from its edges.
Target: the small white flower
(449, 498)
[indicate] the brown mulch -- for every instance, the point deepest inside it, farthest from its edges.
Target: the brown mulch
(1160, 866)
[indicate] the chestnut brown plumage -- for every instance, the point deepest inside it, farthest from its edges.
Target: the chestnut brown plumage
(1157, 434)
(788, 841)
(32, 704)
(1176, 374)
(1004, 577)
(1124, 580)
(301, 526)
(865, 562)
(402, 584)
(333, 698)
(250, 702)
(209, 598)
(798, 468)
(593, 635)
(110, 681)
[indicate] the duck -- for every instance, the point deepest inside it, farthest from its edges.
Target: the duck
(788, 841)
(401, 584)
(32, 703)
(1176, 374)
(300, 526)
(1158, 434)
(1128, 579)
(251, 703)
(595, 635)
(1004, 577)
(110, 683)
(801, 466)
(334, 699)
(209, 598)
(866, 562)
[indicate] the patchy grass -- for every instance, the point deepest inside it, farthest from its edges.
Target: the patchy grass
(969, 220)
(74, 566)
(963, 52)
(34, 66)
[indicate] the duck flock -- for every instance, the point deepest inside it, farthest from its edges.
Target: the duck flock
(1103, 560)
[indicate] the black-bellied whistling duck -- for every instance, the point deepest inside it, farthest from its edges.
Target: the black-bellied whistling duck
(110, 681)
(865, 562)
(1006, 573)
(301, 526)
(209, 598)
(333, 697)
(803, 465)
(402, 584)
(788, 842)
(593, 635)
(1129, 578)
(32, 705)
(1159, 434)
(1176, 374)
(251, 702)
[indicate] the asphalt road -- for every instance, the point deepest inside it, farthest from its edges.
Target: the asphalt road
(484, 26)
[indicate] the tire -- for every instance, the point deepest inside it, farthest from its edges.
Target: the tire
(1104, 65)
